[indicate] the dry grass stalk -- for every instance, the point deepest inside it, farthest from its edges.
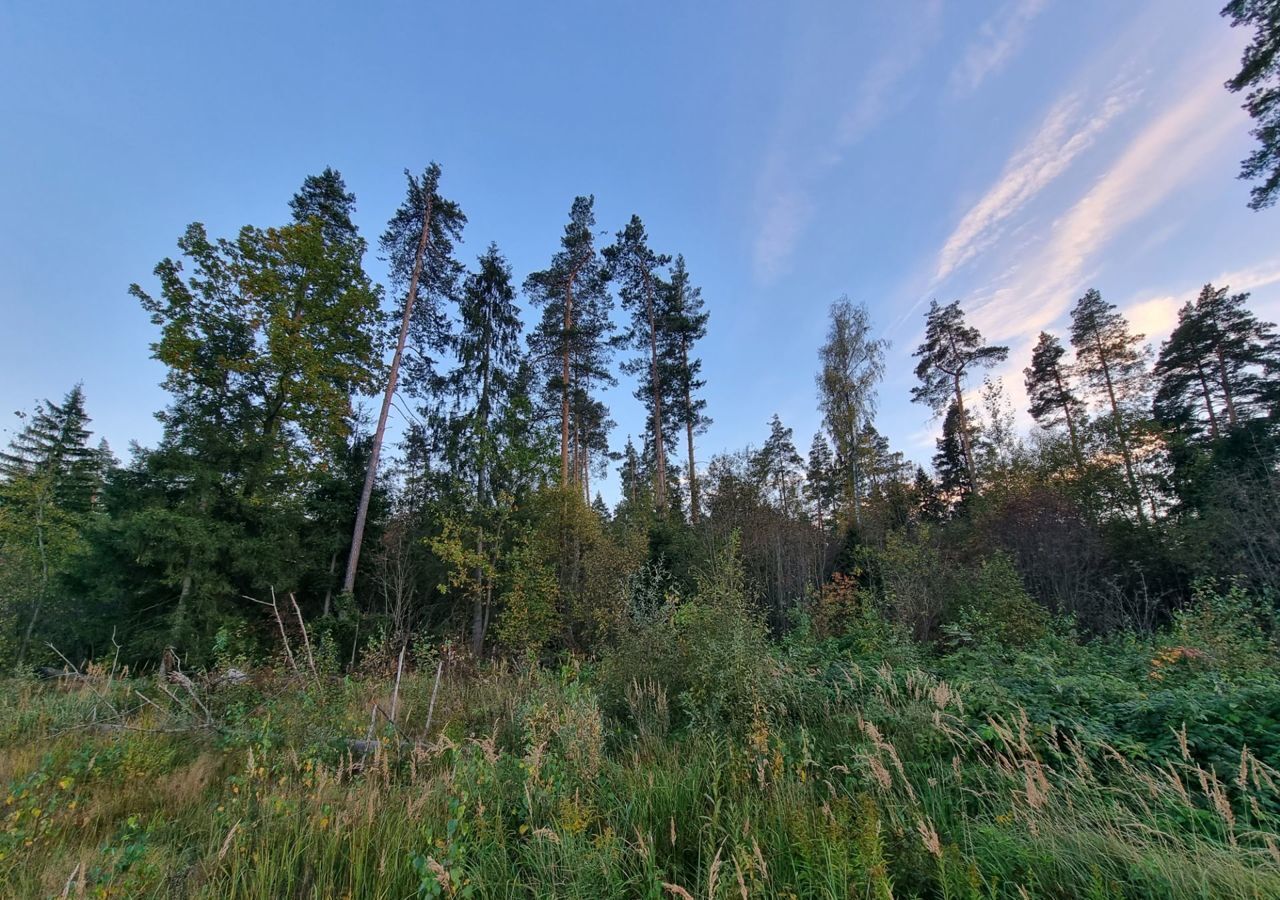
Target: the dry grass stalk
(395, 692)
(929, 836)
(226, 844)
(714, 876)
(431, 707)
(66, 890)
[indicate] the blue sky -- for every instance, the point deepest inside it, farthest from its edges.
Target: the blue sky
(1008, 154)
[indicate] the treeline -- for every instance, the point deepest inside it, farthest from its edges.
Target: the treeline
(1147, 471)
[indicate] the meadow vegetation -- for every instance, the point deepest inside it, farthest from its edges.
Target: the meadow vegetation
(697, 757)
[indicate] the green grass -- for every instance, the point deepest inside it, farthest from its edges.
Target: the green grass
(852, 782)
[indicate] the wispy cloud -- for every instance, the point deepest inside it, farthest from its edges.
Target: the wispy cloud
(794, 166)
(1037, 284)
(1159, 160)
(1156, 316)
(786, 210)
(874, 95)
(1066, 131)
(999, 38)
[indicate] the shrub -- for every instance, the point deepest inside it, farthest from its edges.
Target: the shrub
(917, 585)
(723, 642)
(993, 607)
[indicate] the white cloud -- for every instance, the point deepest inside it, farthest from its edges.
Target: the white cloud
(1157, 162)
(1156, 316)
(999, 38)
(784, 215)
(1153, 318)
(1063, 135)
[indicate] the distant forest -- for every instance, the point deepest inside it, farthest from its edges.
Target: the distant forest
(1151, 470)
(1148, 470)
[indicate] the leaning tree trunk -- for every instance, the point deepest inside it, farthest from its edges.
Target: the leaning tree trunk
(371, 474)
(1071, 422)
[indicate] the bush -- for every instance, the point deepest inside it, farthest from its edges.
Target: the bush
(710, 652)
(993, 607)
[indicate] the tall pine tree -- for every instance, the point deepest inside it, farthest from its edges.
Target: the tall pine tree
(1112, 361)
(635, 268)
(1052, 401)
(1259, 75)
(685, 317)
(571, 344)
(949, 354)
(418, 244)
(1219, 368)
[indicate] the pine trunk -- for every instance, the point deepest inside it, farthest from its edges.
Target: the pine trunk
(964, 434)
(1120, 431)
(564, 379)
(1226, 387)
(371, 473)
(689, 416)
(655, 385)
(1071, 423)
(1208, 402)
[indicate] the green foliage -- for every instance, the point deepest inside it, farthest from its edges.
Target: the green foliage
(917, 584)
(1042, 770)
(1236, 631)
(992, 607)
(1258, 76)
(50, 481)
(708, 652)
(726, 662)
(530, 619)
(833, 680)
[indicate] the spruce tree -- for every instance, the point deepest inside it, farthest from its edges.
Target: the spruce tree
(265, 338)
(325, 198)
(50, 478)
(54, 442)
(821, 481)
(930, 506)
(478, 392)
(777, 466)
(954, 472)
(630, 474)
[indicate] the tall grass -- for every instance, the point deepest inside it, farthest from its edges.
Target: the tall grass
(855, 782)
